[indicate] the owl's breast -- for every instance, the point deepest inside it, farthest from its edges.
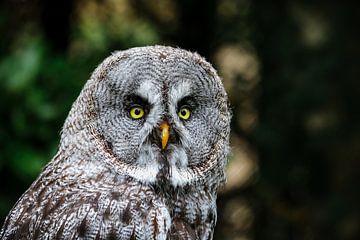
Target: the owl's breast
(110, 207)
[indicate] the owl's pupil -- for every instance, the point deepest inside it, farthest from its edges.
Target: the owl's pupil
(137, 112)
(183, 112)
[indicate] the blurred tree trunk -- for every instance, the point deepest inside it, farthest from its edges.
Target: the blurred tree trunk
(55, 21)
(194, 27)
(305, 111)
(196, 31)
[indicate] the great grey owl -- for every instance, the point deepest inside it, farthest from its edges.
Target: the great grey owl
(141, 156)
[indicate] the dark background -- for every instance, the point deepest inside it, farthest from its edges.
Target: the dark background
(291, 70)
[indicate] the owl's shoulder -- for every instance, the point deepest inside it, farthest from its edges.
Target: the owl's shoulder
(123, 210)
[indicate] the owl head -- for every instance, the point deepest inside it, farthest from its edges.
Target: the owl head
(153, 114)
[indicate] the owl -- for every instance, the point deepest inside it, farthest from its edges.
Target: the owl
(141, 156)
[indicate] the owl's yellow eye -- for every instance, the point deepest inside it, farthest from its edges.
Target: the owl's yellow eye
(137, 112)
(184, 113)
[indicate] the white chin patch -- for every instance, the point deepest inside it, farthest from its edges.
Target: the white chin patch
(178, 178)
(148, 166)
(178, 160)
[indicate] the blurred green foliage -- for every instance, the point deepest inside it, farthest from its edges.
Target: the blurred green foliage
(291, 70)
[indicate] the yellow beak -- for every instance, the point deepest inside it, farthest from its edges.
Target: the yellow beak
(164, 127)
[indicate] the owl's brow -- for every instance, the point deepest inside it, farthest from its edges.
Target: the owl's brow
(187, 101)
(134, 99)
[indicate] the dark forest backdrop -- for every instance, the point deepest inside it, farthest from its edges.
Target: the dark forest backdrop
(291, 70)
